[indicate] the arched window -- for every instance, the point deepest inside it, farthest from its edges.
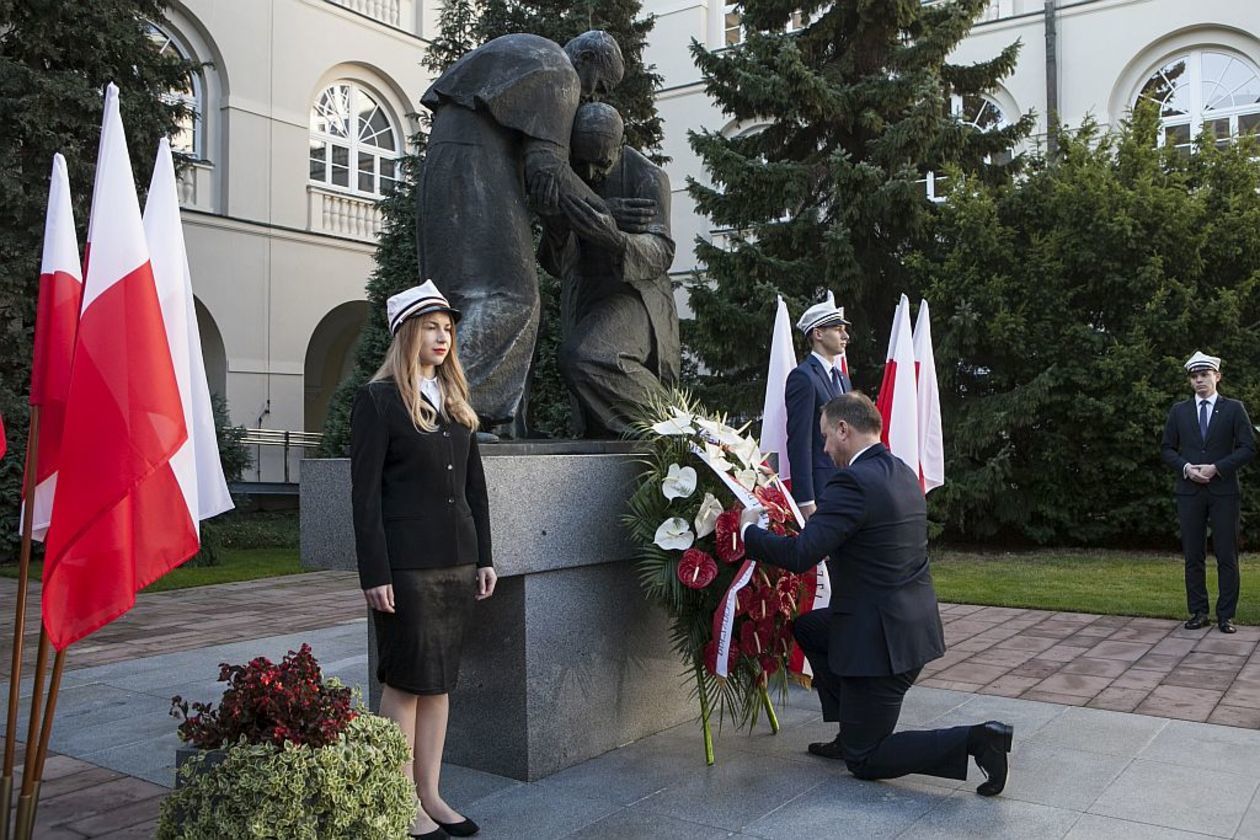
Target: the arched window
(188, 137)
(354, 145)
(1204, 90)
(981, 113)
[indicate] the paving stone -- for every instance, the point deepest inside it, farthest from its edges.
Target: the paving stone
(633, 824)
(1199, 678)
(1219, 644)
(1010, 685)
(1062, 653)
(1126, 651)
(1005, 657)
(1162, 662)
(1178, 796)
(971, 672)
(966, 815)
(863, 809)
(952, 685)
(1037, 667)
(1174, 647)
(1139, 633)
(1055, 697)
(1027, 718)
(1076, 684)
(1036, 644)
(1118, 699)
(1061, 778)
(1179, 702)
(1099, 731)
(534, 811)
(1095, 667)
(1095, 827)
(1138, 678)
(1235, 716)
(1243, 692)
(1224, 749)
(1216, 661)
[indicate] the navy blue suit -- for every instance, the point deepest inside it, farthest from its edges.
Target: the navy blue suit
(1230, 445)
(883, 623)
(807, 390)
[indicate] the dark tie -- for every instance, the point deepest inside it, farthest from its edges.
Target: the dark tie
(835, 380)
(1203, 418)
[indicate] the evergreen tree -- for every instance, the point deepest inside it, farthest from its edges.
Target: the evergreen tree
(463, 25)
(1064, 306)
(828, 195)
(56, 56)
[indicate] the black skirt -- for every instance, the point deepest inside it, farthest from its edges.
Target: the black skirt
(418, 646)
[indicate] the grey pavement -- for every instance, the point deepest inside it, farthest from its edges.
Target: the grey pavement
(1076, 772)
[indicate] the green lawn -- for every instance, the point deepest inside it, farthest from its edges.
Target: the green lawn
(1107, 582)
(237, 564)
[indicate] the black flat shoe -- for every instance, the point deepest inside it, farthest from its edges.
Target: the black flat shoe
(1227, 626)
(827, 749)
(435, 834)
(990, 744)
(1197, 622)
(466, 828)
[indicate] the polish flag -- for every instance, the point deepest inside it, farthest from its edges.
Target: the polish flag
(931, 435)
(774, 408)
(121, 519)
(898, 395)
(56, 322)
(4, 443)
(196, 464)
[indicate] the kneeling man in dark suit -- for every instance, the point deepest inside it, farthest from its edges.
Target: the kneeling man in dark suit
(883, 623)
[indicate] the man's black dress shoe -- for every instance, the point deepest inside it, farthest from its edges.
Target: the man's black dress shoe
(827, 749)
(464, 828)
(1227, 626)
(989, 743)
(1197, 622)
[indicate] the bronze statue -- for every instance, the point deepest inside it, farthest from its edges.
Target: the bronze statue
(502, 118)
(620, 322)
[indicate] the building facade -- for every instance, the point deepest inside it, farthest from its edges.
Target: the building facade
(304, 106)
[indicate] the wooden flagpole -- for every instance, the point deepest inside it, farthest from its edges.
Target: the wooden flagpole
(33, 765)
(19, 621)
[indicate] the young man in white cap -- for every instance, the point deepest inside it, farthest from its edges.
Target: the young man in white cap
(1207, 439)
(815, 381)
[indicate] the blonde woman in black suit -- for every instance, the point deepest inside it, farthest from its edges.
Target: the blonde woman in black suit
(422, 532)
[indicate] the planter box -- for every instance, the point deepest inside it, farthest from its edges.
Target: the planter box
(567, 660)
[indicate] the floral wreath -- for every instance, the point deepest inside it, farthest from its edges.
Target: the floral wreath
(731, 618)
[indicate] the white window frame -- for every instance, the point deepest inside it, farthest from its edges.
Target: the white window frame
(193, 125)
(1195, 115)
(352, 142)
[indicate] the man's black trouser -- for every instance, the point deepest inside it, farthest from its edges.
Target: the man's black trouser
(1195, 513)
(867, 709)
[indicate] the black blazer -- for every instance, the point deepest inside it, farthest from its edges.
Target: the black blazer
(419, 498)
(872, 523)
(807, 390)
(1230, 445)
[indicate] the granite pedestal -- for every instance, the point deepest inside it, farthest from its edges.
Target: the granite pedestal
(567, 660)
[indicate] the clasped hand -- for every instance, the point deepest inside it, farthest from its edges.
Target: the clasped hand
(592, 223)
(755, 515)
(1201, 473)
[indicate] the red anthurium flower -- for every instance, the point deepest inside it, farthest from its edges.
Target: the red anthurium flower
(730, 547)
(775, 503)
(696, 569)
(753, 638)
(744, 600)
(769, 664)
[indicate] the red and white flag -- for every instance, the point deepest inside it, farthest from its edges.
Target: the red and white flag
(56, 322)
(931, 435)
(196, 464)
(774, 408)
(898, 395)
(121, 520)
(4, 443)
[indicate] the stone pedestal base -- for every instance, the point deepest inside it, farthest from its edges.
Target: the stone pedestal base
(567, 660)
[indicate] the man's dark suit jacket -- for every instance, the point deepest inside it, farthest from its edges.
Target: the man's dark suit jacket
(808, 389)
(418, 498)
(1230, 444)
(872, 523)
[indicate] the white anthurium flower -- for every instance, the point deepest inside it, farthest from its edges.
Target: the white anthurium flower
(720, 432)
(706, 518)
(674, 534)
(748, 452)
(747, 478)
(679, 483)
(678, 424)
(764, 478)
(717, 458)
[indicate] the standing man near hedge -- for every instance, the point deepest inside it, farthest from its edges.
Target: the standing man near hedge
(1207, 440)
(814, 381)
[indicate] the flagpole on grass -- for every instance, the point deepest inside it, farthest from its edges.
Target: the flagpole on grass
(19, 621)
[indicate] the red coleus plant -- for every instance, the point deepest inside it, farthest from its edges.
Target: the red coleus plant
(726, 538)
(696, 569)
(268, 703)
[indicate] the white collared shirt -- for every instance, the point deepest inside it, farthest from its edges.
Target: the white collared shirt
(827, 364)
(432, 389)
(858, 454)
